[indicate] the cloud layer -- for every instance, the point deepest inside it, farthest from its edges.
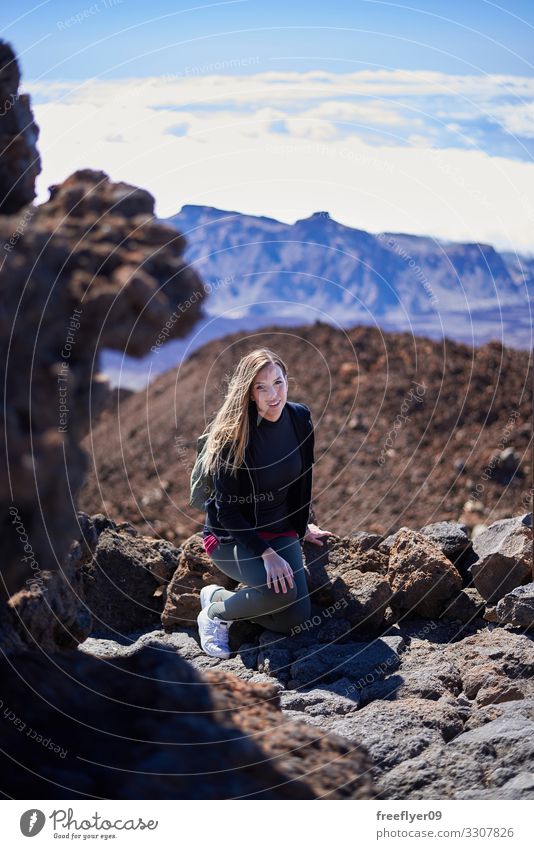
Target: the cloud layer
(405, 151)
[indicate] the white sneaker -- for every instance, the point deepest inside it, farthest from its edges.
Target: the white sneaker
(206, 594)
(213, 634)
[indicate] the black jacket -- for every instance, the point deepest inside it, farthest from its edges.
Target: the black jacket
(231, 513)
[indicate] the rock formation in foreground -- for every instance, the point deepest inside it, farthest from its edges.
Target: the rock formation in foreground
(92, 267)
(20, 163)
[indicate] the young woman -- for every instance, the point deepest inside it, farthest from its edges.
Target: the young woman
(260, 453)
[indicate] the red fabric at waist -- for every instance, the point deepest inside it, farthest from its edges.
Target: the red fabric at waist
(210, 541)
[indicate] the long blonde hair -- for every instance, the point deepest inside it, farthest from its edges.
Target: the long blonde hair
(230, 427)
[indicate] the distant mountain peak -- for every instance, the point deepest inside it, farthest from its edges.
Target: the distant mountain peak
(316, 216)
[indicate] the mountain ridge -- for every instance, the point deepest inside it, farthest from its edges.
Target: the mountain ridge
(465, 290)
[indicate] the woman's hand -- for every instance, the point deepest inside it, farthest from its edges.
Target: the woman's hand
(278, 570)
(314, 534)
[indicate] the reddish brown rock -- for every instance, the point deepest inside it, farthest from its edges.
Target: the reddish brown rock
(194, 570)
(337, 556)
(354, 552)
(323, 761)
(495, 665)
(498, 690)
(420, 575)
(126, 579)
(53, 614)
(361, 598)
(348, 579)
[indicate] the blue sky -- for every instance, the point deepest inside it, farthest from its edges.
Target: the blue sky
(455, 37)
(415, 117)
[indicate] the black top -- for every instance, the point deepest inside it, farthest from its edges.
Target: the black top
(277, 461)
(233, 511)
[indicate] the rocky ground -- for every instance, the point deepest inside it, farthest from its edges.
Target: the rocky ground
(412, 679)
(430, 729)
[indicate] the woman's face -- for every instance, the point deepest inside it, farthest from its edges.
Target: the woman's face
(269, 391)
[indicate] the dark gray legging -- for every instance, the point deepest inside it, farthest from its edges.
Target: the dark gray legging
(257, 602)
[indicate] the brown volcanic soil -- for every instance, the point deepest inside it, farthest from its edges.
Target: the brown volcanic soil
(473, 404)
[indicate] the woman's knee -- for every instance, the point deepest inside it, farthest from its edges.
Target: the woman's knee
(300, 612)
(274, 601)
(294, 617)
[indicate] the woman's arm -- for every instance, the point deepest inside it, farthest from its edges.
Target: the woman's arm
(313, 531)
(312, 517)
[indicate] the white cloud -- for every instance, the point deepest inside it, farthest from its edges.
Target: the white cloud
(311, 128)
(517, 120)
(365, 113)
(281, 88)
(285, 145)
(416, 140)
